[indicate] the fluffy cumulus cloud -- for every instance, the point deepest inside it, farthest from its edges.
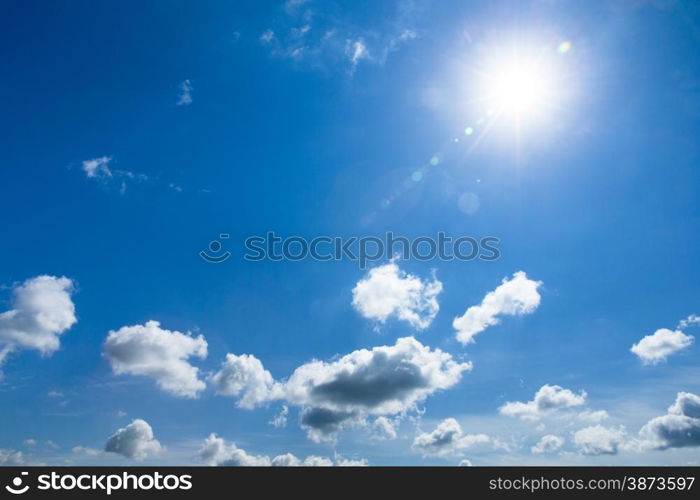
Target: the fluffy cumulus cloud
(216, 451)
(548, 444)
(42, 310)
(245, 377)
(447, 439)
(679, 428)
(135, 441)
(387, 291)
(151, 351)
(548, 399)
(386, 380)
(513, 297)
(599, 440)
(660, 345)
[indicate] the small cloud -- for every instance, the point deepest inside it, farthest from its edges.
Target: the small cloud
(11, 458)
(245, 377)
(593, 417)
(84, 450)
(599, 440)
(548, 444)
(513, 297)
(548, 399)
(30, 442)
(151, 351)
(54, 394)
(97, 167)
(447, 439)
(383, 428)
(134, 441)
(100, 170)
(356, 51)
(388, 291)
(185, 98)
(655, 348)
(691, 320)
(268, 36)
(280, 420)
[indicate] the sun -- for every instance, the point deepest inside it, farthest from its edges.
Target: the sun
(518, 87)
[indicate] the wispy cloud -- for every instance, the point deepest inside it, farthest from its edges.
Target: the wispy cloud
(101, 170)
(307, 33)
(185, 98)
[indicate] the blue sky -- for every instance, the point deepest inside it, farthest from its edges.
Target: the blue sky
(312, 118)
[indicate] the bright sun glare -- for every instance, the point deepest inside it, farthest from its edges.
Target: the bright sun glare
(519, 88)
(521, 83)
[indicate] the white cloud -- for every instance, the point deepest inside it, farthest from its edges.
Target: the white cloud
(135, 441)
(99, 170)
(548, 399)
(447, 439)
(548, 444)
(42, 310)
(513, 297)
(388, 291)
(464, 463)
(599, 440)
(316, 461)
(321, 40)
(84, 450)
(384, 428)
(267, 36)
(691, 320)
(151, 351)
(11, 458)
(593, 417)
(679, 428)
(280, 420)
(245, 377)
(185, 97)
(216, 451)
(356, 51)
(348, 462)
(653, 349)
(97, 167)
(385, 380)
(30, 442)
